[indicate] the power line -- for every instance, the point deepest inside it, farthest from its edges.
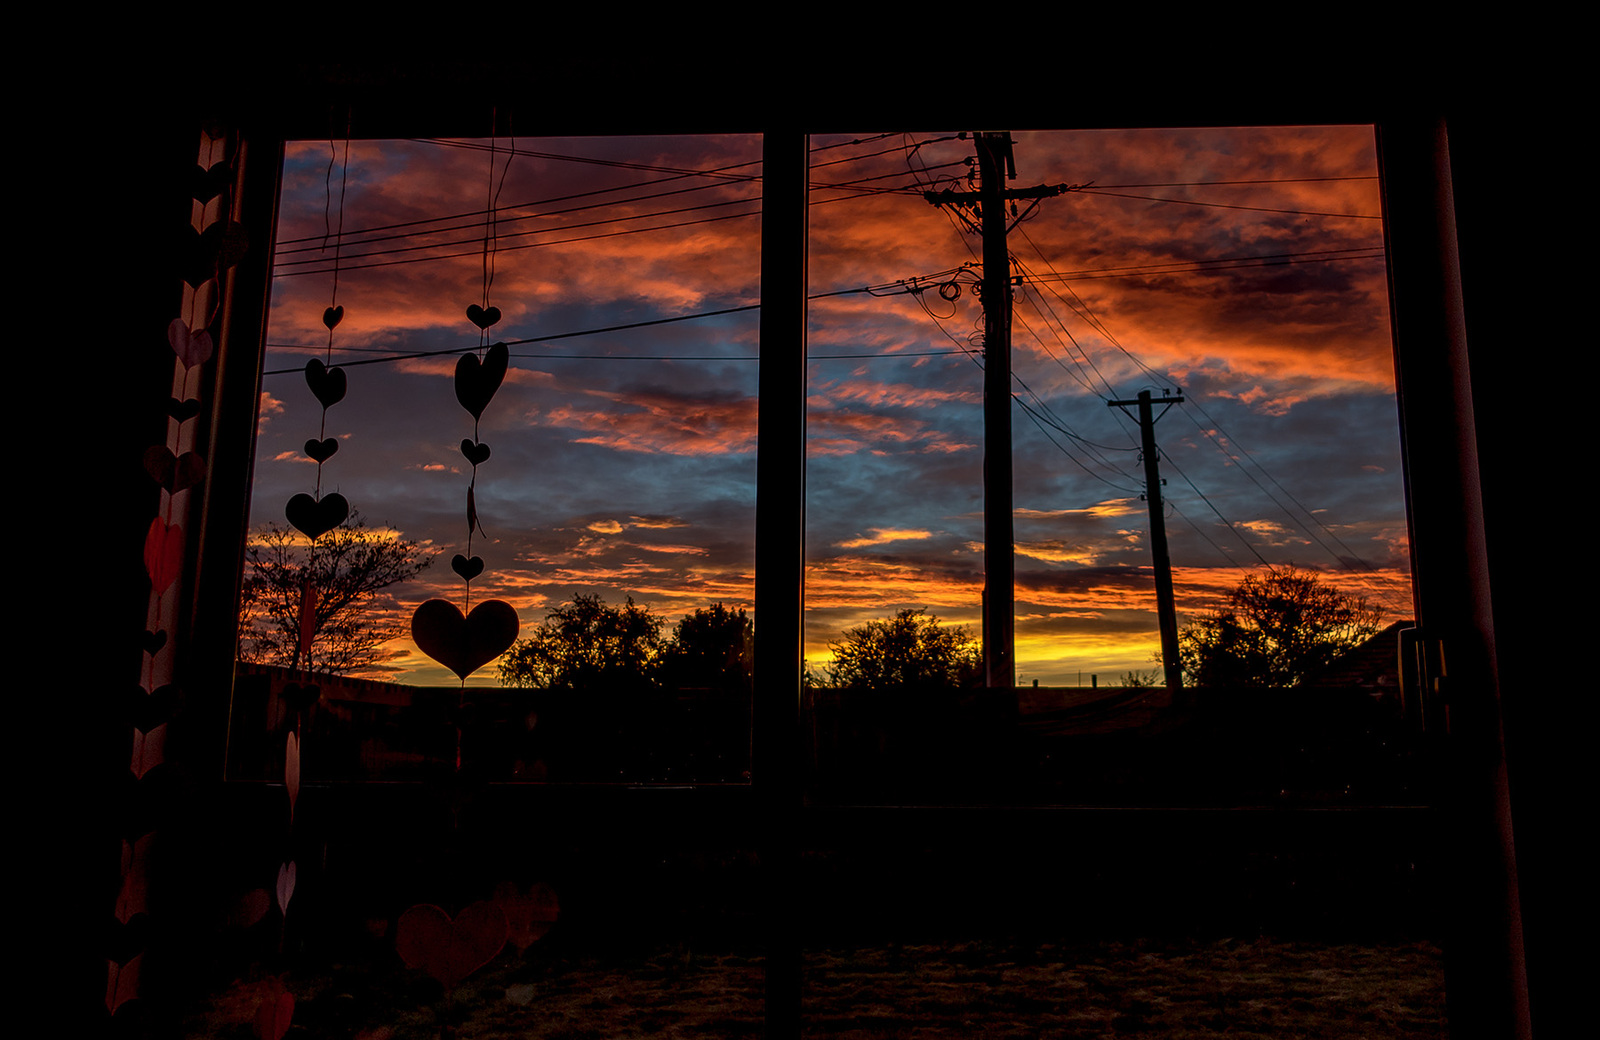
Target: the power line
(677, 175)
(1226, 205)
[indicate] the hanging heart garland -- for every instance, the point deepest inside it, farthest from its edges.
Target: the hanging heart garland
(215, 243)
(313, 515)
(465, 642)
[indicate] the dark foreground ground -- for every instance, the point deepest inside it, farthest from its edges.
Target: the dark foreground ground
(1241, 988)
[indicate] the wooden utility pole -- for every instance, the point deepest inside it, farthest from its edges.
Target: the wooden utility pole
(996, 164)
(1166, 606)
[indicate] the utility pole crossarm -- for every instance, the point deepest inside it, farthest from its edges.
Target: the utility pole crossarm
(951, 197)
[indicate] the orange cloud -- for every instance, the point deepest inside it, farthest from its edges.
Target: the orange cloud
(884, 535)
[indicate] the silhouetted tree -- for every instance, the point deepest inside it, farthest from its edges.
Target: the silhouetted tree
(910, 649)
(712, 647)
(587, 646)
(330, 583)
(1274, 631)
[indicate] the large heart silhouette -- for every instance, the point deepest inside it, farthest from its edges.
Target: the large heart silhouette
(313, 518)
(427, 939)
(326, 383)
(464, 644)
(476, 383)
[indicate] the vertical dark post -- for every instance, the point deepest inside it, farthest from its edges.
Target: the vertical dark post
(1485, 970)
(780, 563)
(999, 566)
(1166, 608)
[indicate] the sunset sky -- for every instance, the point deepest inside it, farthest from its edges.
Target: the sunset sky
(1242, 268)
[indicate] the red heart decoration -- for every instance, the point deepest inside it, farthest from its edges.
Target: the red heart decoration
(464, 644)
(163, 553)
(476, 383)
(192, 348)
(275, 1013)
(427, 939)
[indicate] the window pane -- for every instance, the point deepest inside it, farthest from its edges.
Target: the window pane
(614, 463)
(1241, 269)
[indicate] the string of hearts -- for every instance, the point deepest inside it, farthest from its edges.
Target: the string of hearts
(215, 243)
(466, 638)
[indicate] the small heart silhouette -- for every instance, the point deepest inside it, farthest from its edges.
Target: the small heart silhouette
(464, 644)
(427, 939)
(152, 642)
(313, 518)
(200, 252)
(322, 450)
(124, 942)
(482, 317)
(217, 248)
(476, 383)
(207, 184)
(476, 452)
(327, 384)
(333, 316)
(183, 410)
(468, 569)
(146, 711)
(175, 473)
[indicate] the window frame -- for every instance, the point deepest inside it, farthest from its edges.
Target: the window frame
(1444, 503)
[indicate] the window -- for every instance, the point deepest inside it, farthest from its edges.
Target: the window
(376, 836)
